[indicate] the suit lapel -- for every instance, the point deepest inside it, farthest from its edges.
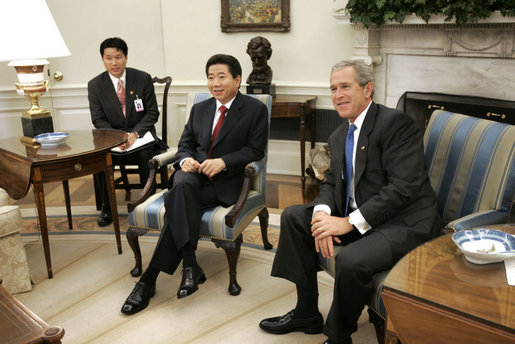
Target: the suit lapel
(110, 93)
(338, 155)
(207, 126)
(361, 149)
(233, 116)
(130, 86)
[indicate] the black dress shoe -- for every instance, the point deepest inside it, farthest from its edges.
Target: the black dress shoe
(288, 323)
(139, 298)
(191, 278)
(105, 218)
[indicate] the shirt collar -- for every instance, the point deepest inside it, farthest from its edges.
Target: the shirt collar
(358, 122)
(227, 105)
(115, 79)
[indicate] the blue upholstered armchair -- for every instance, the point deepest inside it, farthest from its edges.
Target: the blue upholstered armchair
(471, 167)
(224, 226)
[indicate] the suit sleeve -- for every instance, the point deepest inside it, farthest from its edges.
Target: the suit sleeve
(98, 116)
(150, 105)
(188, 143)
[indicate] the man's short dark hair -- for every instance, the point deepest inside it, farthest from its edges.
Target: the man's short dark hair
(230, 61)
(114, 42)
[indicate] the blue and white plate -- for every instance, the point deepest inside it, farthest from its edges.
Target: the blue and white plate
(484, 246)
(51, 139)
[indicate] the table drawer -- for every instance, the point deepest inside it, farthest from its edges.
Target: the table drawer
(71, 167)
(285, 111)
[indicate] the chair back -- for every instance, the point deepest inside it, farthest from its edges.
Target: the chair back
(470, 163)
(167, 80)
(259, 180)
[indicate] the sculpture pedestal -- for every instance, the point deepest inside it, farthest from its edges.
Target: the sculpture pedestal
(261, 89)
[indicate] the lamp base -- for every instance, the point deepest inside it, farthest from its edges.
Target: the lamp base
(30, 142)
(261, 89)
(35, 124)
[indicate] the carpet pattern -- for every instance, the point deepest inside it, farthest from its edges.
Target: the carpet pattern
(88, 224)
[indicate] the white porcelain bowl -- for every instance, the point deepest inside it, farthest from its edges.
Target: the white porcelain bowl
(51, 139)
(484, 246)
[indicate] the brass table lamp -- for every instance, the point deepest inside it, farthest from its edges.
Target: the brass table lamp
(28, 47)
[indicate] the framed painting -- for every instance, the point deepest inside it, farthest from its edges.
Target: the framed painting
(255, 15)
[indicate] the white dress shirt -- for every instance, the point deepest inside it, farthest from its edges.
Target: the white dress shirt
(355, 217)
(115, 80)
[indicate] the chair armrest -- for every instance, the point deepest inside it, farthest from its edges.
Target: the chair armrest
(164, 159)
(482, 218)
(250, 170)
(154, 165)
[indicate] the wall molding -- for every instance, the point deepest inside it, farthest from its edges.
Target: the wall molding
(69, 106)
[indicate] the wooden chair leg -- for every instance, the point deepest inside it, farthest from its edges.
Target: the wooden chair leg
(164, 178)
(263, 222)
(232, 250)
(133, 234)
(66, 189)
(125, 182)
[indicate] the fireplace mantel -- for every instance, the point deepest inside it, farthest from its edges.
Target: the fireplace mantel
(468, 59)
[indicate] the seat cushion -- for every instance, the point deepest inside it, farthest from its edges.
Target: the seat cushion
(10, 220)
(150, 215)
(14, 269)
(4, 198)
(375, 302)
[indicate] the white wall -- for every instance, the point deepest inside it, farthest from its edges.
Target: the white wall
(176, 37)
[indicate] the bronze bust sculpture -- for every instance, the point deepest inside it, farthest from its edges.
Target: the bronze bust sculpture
(260, 51)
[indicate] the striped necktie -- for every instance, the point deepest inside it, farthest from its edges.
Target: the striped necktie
(120, 91)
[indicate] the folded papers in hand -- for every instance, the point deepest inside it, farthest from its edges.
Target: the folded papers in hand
(142, 142)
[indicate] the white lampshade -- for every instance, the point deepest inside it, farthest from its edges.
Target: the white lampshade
(28, 31)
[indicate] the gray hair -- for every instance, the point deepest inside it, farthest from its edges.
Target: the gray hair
(364, 73)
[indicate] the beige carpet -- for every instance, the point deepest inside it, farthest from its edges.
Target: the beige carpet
(91, 281)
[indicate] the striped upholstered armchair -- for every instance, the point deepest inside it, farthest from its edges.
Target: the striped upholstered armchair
(224, 226)
(471, 167)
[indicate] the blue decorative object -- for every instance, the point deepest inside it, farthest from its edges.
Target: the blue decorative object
(484, 246)
(51, 139)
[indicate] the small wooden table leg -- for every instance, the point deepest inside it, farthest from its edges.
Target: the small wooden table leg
(67, 201)
(303, 147)
(112, 199)
(39, 195)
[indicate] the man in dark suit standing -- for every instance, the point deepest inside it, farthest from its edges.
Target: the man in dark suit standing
(124, 99)
(223, 134)
(377, 202)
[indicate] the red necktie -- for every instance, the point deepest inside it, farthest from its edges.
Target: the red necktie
(120, 91)
(223, 110)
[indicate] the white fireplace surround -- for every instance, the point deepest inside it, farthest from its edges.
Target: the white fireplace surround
(475, 59)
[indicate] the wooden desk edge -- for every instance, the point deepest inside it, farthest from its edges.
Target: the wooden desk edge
(49, 334)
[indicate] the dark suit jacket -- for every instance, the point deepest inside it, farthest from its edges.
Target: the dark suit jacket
(106, 112)
(241, 140)
(392, 189)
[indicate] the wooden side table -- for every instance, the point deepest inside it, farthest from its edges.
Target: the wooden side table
(300, 107)
(85, 153)
(19, 325)
(433, 295)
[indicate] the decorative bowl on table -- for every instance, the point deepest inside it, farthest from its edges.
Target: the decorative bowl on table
(484, 246)
(51, 139)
